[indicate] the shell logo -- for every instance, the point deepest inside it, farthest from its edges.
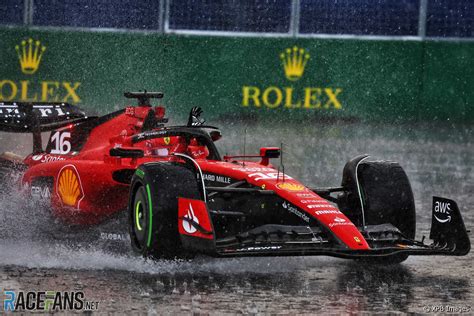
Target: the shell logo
(293, 187)
(69, 187)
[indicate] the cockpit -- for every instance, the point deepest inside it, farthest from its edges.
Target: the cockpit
(166, 146)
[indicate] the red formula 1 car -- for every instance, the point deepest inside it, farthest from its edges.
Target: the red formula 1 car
(183, 198)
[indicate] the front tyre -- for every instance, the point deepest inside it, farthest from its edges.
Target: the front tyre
(153, 208)
(387, 197)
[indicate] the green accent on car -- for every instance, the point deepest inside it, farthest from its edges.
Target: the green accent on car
(137, 213)
(140, 173)
(150, 218)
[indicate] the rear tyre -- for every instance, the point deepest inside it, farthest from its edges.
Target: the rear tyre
(387, 197)
(153, 208)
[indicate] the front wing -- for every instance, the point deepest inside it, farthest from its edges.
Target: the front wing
(448, 234)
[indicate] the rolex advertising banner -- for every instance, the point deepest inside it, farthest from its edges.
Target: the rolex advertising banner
(263, 78)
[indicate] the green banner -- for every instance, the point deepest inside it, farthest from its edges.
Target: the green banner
(264, 78)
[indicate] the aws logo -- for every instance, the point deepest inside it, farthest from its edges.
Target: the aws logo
(294, 61)
(31, 53)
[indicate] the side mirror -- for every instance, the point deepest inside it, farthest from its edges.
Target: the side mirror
(267, 153)
(126, 152)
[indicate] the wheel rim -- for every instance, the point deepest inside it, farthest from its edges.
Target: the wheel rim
(139, 216)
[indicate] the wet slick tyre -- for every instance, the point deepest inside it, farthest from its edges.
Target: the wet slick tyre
(388, 198)
(153, 208)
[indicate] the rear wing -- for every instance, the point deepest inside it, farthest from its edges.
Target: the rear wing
(29, 117)
(16, 117)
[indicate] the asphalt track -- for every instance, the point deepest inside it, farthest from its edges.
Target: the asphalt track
(37, 253)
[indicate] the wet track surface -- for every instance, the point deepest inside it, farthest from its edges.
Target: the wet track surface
(37, 253)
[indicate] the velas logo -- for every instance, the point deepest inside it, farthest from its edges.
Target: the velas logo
(294, 61)
(69, 186)
(30, 57)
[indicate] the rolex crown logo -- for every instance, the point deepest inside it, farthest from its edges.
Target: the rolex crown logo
(294, 61)
(29, 54)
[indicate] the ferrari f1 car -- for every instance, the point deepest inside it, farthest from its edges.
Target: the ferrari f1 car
(183, 197)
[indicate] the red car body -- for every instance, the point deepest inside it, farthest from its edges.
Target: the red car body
(84, 176)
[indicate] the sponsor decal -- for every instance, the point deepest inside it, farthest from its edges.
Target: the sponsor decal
(269, 176)
(45, 110)
(345, 223)
(294, 210)
(31, 54)
(292, 187)
(442, 212)
(50, 301)
(339, 220)
(312, 201)
(258, 248)
(130, 111)
(151, 134)
(114, 236)
(306, 195)
(325, 212)
(216, 178)
(318, 205)
(40, 193)
(357, 239)
(69, 186)
(193, 218)
(253, 169)
(40, 190)
(47, 158)
(294, 61)
(37, 157)
(197, 153)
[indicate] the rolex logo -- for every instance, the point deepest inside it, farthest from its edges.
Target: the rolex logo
(294, 60)
(29, 54)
